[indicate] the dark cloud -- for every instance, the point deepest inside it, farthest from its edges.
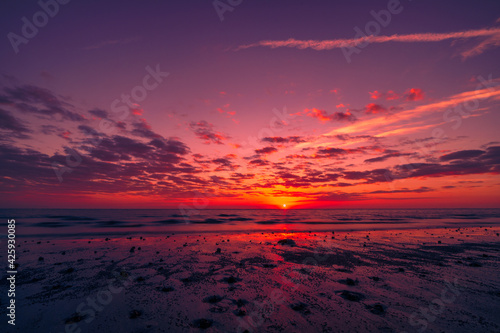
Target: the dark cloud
(206, 132)
(121, 148)
(422, 189)
(491, 143)
(385, 157)
(414, 94)
(87, 130)
(343, 116)
(343, 184)
(99, 113)
(374, 108)
(224, 164)
(329, 152)
(51, 129)
(462, 162)
(371, 176)
(108, 156)
(5, 100)
(347, 137)
(13, 125)
(143, 129)
(266, 151)
(238, 177)
(462, 154)
(171, 145)
(289, 139)
(259, 162)
(323, 116)
(335, 152)
(40, 101)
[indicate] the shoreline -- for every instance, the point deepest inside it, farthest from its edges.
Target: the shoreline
(287, 227)
(356, 281)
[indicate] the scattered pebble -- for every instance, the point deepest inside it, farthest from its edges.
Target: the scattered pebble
(202, 323)
(135, 314)
(287, 241)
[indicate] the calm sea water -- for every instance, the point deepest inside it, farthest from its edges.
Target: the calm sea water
(99, 222)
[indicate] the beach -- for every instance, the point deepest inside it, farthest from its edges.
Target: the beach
(411, 280)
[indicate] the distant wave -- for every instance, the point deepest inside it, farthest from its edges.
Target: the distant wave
(69, 218)
(118, 224)
(168, 221)
(102, 221)
(210, 221)
(52, 224)
(331, 222)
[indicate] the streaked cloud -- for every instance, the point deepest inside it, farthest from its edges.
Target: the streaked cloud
(373, 126)
(492, 35)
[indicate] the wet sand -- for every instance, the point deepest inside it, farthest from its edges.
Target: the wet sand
(427, 280)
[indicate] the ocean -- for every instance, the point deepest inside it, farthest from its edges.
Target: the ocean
(76, 223)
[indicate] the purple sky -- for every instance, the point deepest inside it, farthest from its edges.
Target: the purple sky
(375, 128)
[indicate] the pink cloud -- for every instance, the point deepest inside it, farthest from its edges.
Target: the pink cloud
(375, 108)
(390, 95)
(415, 94)
(493, 35)
(65, 135)
(137, 110)
(206, 132)
(323, 116)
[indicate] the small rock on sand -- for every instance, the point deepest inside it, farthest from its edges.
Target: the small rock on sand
(67, 271)
(240, 312)
(240, 302)
(300, 307)
(231, 279)
(134, 314)
(351, 296)
(349, 282)
(287, 241)
(212, 299)
(377, 309)
(75, 318)
(202, 323)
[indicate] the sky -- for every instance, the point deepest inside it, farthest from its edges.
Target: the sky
(249, 104)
